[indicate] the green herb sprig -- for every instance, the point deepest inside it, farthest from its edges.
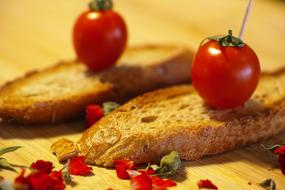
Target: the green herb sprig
(169, 164)
(4, 164)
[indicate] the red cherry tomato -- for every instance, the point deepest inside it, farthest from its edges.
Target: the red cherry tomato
(225, 72)
(99, 36)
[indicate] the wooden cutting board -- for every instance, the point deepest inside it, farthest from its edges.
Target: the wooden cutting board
(35, 34)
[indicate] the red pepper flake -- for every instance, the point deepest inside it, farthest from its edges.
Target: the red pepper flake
(93, 114)
(280, 150)
(122, 168)
(39, 180)
(161, 184)
(57, 175)
(21, 180)
(150, 171)
(77, 166)
(57, 180)
(281, 158)
(44, 166)
(141, 181)
(206, 184)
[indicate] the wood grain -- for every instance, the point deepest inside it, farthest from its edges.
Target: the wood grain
(35, 34)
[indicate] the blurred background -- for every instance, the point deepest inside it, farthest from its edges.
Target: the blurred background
(37, 33)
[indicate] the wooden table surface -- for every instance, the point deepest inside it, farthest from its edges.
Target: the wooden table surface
(35, 34)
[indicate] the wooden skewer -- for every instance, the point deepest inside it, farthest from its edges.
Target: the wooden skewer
(248, 10)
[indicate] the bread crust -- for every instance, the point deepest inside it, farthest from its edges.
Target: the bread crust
(177, 119)
(61, 92)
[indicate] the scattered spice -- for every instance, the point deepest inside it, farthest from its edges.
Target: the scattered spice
(44, 166)
(122, 167)
(149, 178)
(281, 158)
(41, 175)
(169, 164)
(93, 114)
(268, 184)
(77, 166)
(39, 180)
(141, 181)
(280, 151)
(161, 184)
(109, 107)
(206, 184)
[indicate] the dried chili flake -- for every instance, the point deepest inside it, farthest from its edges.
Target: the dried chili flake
(150, 171)
(21, 180)
(142, 181)
(150, 178)
(39, 180)
(57, 175)
(44, 166)
(57, 180)
(206, 184)
(93, 114)
(77, 166)
(280, 150)
(161, 184)
(281, 158)
(122, 167)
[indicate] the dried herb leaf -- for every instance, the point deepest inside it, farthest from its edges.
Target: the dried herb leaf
(4, 164)
(5, 150)
(66, 174)
(109, 106)
(268, 184)
(169, 164)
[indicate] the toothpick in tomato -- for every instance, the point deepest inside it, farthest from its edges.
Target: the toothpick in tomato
(99, 35)
(225, 71)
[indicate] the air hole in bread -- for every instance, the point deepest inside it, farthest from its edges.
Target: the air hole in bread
(183, 106)
(148, 119)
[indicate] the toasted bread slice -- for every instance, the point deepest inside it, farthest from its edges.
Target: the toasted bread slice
(176, 118)
(61, 92)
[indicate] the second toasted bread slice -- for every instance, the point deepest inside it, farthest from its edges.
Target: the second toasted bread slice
(176, 118)
(61, 92)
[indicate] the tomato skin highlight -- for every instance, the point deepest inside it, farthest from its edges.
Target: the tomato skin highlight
(225, 77)
(99, 38)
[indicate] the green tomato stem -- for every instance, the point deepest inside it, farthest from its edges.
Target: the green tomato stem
(100, 5)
